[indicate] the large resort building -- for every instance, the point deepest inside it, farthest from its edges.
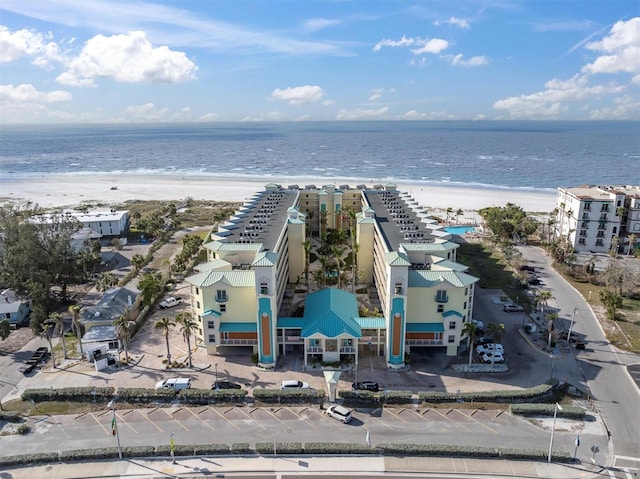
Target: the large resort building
(598, 218)
(255, 290)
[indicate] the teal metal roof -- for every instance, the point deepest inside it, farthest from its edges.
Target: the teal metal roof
(445, 264)
(211, 312)
(425, 328)
(430, 279)
(438, 246)
(396, 259)
(290, 323)
(216, 264)
(371, 323)
(451, 312)
(268, 258)
(238, 327)
(331, 312)
(220, 246)
(235, 278)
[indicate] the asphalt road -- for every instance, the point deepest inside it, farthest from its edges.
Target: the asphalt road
(602, 367)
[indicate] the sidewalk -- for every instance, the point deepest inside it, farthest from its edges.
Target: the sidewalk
(337, 466)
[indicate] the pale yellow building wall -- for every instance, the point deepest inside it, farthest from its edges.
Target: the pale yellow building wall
(297, 255)
(364, 233)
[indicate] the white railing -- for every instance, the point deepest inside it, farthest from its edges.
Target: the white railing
(423, 342)
(238, 342)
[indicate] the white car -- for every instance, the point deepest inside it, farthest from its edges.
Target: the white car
(170, 302)
(492, 357)
(340, 413)
(491, 347)
(293, 384)
(478, 323)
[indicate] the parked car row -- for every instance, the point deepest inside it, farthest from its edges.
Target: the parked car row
(491, 353)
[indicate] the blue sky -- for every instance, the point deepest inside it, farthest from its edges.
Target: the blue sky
(94, 61)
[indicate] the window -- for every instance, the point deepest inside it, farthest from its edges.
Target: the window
(585, 224)
(585, 216)
(452, 338)
(583, 232)
(211, 325)
(605, 207)
(587, 206)
(466, 291)
(263, 288)
(441, 308)
(615, 230)
(221, 295)
(599, 242)
(452, 325)
(582, 241)
(441, 296)
(600, 234)
(7, 315)
(398, 288)
(197, 290)
(464, 306)
(198, 304)
(223, 308)
(212, 338)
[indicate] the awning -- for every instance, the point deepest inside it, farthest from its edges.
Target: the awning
(211, 312)
(238, 327)
(425, 328)
(372, 323)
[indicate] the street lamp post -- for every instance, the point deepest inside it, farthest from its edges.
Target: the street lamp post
(553, 362)
(216, 373)
(556, 408)
(573, 318)
(114, 425)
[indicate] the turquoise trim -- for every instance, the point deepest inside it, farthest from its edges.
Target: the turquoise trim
(425, 328)
(238, 327)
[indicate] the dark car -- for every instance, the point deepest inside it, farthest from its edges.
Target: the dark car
(483, 340)
(526, 267)
(225, 385)
(366, 386)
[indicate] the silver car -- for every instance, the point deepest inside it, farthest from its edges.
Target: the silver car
(340, 413)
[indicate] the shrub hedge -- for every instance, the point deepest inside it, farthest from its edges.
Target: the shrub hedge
(80, 394)
(385, 397)
(540, 391)
(266, 448)
(212, 396)
(289, 396)
(145, 395)
(543, 409)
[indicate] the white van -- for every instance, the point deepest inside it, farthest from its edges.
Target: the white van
(174, 383)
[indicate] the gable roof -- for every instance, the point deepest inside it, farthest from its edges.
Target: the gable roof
(429, 279)
(235, 278)
(331, 312)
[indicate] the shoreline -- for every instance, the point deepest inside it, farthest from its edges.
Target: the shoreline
(68, 191)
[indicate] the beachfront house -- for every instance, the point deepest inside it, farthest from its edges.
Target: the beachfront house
(593, 218)
(14, 309)
(409, 292)
(107, 223)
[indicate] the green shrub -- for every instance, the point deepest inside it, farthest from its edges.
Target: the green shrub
(541, 409)
(289, 396)
(145, 395)
(23, 429)
(26, 459)
(437, 450)
(79, 394)
(267, 448)
(240, 448)
(337, 448)
(211, 396)
(88, 454)
(511, 395)
(10, 417)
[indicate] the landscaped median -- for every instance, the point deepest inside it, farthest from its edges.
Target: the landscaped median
(284, 449)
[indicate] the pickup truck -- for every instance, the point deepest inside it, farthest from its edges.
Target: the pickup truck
(170, 302)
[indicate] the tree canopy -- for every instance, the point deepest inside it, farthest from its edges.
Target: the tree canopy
(507, 221)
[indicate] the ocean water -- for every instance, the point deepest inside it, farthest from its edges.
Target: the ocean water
(492, 154)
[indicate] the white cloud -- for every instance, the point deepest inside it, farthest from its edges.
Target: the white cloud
(149, 112)
(26, 93)
(434, 115)
(435, 46)
(456, 22)
(549, 103)
(129, 58)
(625, 107)
(300, 95)
(403, 42)
(471, 62)
(329, 102)
(208, 117)
(363, 114)
(620, 48)
(376, 94)
(562, 25)
(21, 43)
(316, 24)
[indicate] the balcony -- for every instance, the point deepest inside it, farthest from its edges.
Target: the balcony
(222, 298)
(238, 342)
(423, 342)
(347, 349)
(442, 298)
(314, 349)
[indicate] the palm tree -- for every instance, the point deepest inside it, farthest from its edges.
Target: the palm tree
(187, 327)
(542, 298)
(137, 260)
(164, 326)
(470, 329)
(47, 333)
(612, 301)
(74, 310)
(449, 212)
(107, 280)
(124, 329)
(632, 243)
(459, 212)
(57, 320)
(307, 252)
(613, 250)
(496, 330)
(136, 215)
(550, 327)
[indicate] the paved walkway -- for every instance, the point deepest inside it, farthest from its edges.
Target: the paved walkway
(325, 466)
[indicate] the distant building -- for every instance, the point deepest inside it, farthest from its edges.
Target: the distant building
(14, 309)
(590, 217)
(110, 223)
(256, 266)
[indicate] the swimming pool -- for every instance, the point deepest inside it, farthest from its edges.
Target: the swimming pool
(459, 230)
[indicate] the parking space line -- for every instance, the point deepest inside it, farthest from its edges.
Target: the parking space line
(201, 421)
(398, 415)
(225, 418)
(470, 416)
(100, 424)
(276, 417)
(177, 420)
(299, 416)
(449, 419)
(378, 419)
(122, 420)
(146, 416)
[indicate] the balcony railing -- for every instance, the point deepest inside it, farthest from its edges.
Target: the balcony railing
(347, 349)
(222, 298)
(314, 349)
(238, 342)
(423, 342)
(442, 298)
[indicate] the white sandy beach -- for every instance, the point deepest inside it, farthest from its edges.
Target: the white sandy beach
(72, 190)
